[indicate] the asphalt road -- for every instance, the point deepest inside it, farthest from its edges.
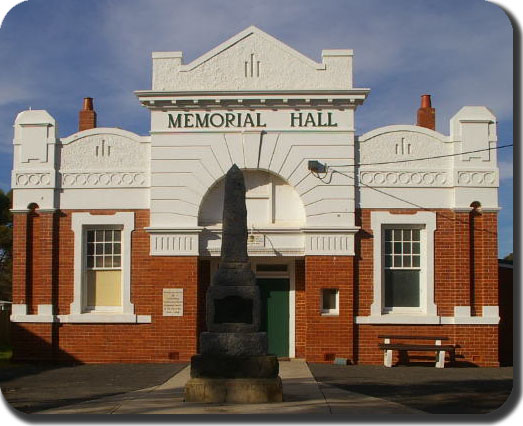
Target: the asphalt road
(30, 388)
(430, 389)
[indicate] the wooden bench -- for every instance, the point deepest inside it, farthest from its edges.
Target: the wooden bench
(388, 346)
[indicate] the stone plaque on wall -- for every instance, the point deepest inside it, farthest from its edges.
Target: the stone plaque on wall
(173, 302)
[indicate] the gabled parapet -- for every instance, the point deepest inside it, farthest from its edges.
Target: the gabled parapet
(252, 60)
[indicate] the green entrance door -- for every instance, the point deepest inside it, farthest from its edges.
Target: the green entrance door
(275, 313)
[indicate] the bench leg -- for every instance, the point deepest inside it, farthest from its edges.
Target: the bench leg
(440, 359)
(387, 358)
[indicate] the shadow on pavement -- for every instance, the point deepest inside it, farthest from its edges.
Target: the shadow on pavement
(438, 391)
(30, 388)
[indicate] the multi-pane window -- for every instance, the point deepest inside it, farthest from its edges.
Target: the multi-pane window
(402, 267)
(104, 249)
(104, 268)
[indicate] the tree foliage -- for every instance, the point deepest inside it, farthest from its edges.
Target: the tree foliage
(6, 245)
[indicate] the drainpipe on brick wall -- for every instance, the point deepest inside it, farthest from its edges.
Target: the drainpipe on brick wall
(475, 212)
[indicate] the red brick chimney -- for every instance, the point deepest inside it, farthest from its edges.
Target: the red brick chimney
(87, 116)
(426, 114)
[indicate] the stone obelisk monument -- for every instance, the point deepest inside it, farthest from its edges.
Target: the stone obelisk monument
(233, 365)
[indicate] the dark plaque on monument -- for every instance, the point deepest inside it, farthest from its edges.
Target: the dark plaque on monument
(233, 365)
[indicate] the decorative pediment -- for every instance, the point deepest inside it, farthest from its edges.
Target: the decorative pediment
(252, 60)
(104, 150)
(392, 144)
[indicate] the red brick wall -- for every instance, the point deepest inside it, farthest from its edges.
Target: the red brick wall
(328, 337)
(453, 282)
(166, 339)
(19, 257)
(47, 275)
(300, 314)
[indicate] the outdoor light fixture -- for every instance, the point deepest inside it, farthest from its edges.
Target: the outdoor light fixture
(316, 167)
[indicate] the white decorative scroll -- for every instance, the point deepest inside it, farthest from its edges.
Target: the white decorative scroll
(417, 178)
(33, 180)
(477, 178)
(130, 179)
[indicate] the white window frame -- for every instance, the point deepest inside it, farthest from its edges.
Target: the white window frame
(330, 312)
(98, 308)
(427, 312)
(81, 222)
(422, 271)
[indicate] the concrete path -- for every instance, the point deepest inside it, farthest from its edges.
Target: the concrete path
(301, 394)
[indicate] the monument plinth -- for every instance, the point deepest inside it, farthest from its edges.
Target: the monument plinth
(233, 365)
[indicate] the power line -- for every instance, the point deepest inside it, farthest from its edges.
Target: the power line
(421, 159)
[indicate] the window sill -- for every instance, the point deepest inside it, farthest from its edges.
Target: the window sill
(89, 318)
(105, 317)
(330, 314)
(399, 319)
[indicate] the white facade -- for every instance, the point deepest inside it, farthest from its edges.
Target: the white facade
(241, 103)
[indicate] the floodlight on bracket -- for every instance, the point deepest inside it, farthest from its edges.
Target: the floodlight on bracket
(316, 167)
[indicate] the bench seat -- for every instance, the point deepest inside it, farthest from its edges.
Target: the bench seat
(437, 347)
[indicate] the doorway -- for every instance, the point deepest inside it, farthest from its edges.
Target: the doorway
(275, 313)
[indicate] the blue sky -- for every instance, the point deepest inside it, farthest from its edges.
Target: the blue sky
(55, 52)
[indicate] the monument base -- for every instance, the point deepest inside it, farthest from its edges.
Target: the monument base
(220, 367)
(238, 391)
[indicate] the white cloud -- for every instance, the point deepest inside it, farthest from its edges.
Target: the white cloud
(506, 169)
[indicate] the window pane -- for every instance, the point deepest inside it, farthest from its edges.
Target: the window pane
(117, 235)
(117, 262)
(406, 248)
(90, 261)
(415, 248)
(388, 235)
(406, 261)
(401, 288)
(90, 236)
(397, 235)
(108, 262)
(415, 261)
(388, 248)
(99, 248)
(388, 261)
(108, 248)
(406, 234)
(329, 298)
(415, 234)
(99, 261)
(90, 249)
(117, 248)
(397, 248)
(108, 235)
(99, 235)
(397, 261)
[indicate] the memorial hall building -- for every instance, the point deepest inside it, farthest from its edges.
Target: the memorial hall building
(351, 236)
